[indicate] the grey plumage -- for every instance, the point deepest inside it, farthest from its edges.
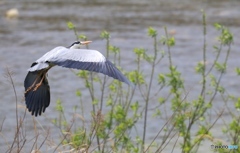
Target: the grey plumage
(37, 90)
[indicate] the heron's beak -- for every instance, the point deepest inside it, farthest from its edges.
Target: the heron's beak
(85, 42)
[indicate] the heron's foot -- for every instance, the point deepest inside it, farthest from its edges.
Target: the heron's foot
(37, 86)
(28, 89)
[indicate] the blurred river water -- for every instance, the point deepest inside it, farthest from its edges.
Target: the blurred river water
(41, 26)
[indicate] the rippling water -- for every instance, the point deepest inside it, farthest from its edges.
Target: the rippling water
(41, 26)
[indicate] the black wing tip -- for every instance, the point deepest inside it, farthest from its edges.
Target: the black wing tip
(35, 113)
(32, 104)
(129, 83)
(37, 105)
(125, 80)
(114, 72)
(132, 85)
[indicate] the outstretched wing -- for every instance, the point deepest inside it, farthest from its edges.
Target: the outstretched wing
(37, 101)
(90, 60)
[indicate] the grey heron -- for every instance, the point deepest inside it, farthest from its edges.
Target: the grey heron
(37, 89)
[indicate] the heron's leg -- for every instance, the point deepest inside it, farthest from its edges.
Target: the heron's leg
(40, 83)
(36, 86)
(29, 88)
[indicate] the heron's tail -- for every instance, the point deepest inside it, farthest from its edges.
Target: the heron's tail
(37, 92)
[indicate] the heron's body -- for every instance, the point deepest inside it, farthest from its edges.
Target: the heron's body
(37, 90)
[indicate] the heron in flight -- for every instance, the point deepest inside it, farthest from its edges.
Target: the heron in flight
(37, 90)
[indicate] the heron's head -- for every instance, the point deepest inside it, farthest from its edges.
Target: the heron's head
(78, 44)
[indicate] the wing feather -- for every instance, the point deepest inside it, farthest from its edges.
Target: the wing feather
(63, 53)
(106, 68)
(84, 59)
(38, 100)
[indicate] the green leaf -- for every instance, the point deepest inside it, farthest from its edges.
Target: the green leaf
(83, 74)
(221, 89)
(139, 52)
(70, 25)
(171, 41)
(161, 100)
(237, 104)
(59, 106)
(95, 102)
(114, 49)
(157, 112)
(163, 40)
(237, 70)
(82, 36)
(161, 79)
(152, 32)
(113, 87)
(136, 77)
(135, 106)
(78, 93)
(200, 67)
(226, 37)
(217, 26)
(220, 67)
(109, 102)
(105, 35)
